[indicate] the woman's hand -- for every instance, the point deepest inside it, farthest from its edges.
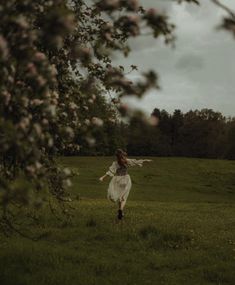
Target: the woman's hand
(101, 179)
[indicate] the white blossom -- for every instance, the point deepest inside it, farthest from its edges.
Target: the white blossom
(50, 142)
(73, 106)
(31, 169)
(36, 102)
(91, 141)
(22, 22)
(38, 129)
(67, 171)
(69, 132)
(67, 183)
(53, 70)
(97, 122)
(51, 109)
(41, 81)
(38, 165)
(7, 97)
(87, 122)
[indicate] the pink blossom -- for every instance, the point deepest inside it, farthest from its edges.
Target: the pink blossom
(151, 12)
(133, 4)
(153, 121)
(39, 56)
(32, 69)
(109, 4)
(134, 18)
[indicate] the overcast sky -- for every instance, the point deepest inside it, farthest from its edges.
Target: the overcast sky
(200, 71)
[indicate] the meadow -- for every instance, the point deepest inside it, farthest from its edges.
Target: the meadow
(179, 228)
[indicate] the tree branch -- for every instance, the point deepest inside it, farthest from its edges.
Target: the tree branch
(224, 7)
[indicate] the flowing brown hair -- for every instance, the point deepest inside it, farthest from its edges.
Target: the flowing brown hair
(121, 157)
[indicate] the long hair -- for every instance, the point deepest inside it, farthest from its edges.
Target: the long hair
(121, 157)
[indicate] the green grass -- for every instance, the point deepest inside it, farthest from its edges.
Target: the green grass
(179, 228)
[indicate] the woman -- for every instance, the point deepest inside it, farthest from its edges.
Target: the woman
(120, 185)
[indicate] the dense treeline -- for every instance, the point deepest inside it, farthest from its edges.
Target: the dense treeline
(204, 133)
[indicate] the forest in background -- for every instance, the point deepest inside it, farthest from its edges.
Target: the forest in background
(196, 133)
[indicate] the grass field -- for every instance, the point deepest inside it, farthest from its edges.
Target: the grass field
(179, 228)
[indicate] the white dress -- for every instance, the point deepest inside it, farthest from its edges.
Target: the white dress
(120, 185)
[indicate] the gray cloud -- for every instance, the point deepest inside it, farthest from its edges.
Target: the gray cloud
(190, 62)
(199, 72)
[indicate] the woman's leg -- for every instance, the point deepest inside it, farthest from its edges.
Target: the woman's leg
(121, 205)
(124, 195)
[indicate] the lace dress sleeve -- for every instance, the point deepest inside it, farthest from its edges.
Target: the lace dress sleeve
(112, 169)
(135, 162)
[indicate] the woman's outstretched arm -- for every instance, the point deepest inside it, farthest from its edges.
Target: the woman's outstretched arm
(137, 162)
(103, 177)
(111, 172)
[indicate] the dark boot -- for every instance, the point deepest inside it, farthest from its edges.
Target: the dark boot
(120, 214)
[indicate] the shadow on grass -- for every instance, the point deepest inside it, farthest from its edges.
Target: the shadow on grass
(159, 239)
(219, 274)
(91, 223)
